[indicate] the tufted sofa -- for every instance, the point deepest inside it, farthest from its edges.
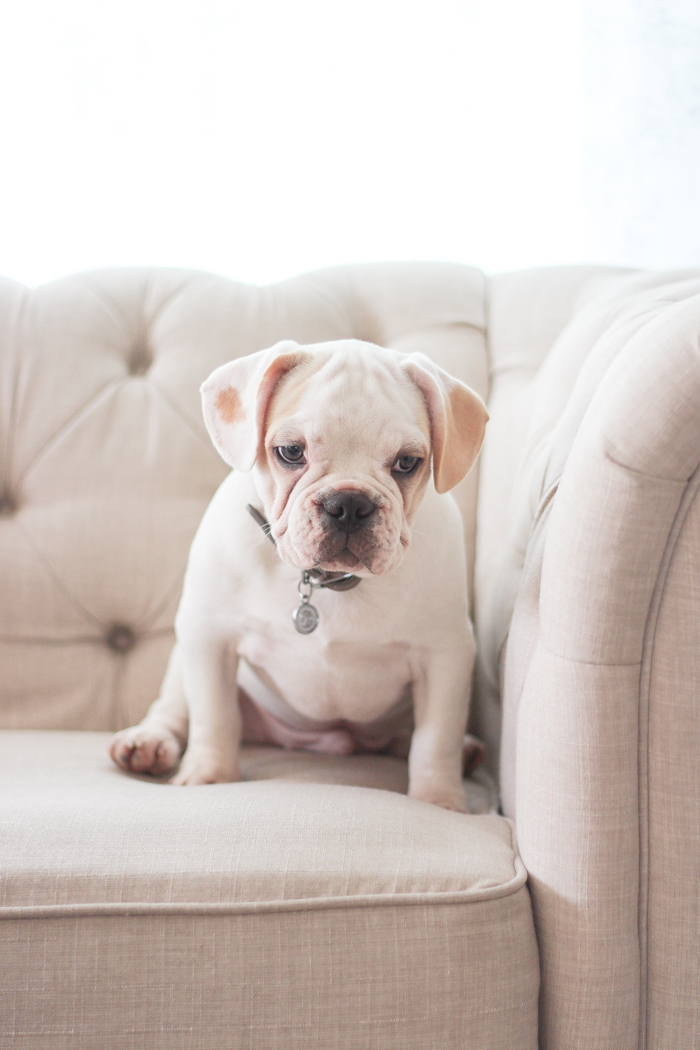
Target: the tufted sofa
(313, 905)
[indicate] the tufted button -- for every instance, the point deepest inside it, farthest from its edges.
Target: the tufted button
(140, 360)
(121, 638)
(8, 504)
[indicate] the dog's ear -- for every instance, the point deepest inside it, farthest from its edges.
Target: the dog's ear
(236, 396)
(457, 416)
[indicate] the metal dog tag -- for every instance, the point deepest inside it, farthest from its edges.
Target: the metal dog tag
(306, 615)
(305, 618)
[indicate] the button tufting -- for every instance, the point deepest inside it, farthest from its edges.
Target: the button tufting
(8, 505)
(121, 638)
(140, 360)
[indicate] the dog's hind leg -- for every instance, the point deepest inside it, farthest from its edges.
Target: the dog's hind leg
(440, 707)
(156, 744)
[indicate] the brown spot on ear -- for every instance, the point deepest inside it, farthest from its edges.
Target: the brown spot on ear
(229, 407)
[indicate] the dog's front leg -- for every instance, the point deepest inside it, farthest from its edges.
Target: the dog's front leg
(155, 744)
(209, 678)
(441, 706)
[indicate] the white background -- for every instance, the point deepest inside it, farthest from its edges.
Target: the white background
(263, 138)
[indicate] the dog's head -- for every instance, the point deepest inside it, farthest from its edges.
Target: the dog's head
(342, 436)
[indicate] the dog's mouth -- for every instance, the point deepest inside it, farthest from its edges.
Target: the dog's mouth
(347, 552)
(366, 555)
(343, 561)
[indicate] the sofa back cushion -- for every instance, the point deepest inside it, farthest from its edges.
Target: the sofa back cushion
(106, 467)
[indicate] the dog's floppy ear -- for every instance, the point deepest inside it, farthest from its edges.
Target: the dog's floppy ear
(458, 419)
(235, 398)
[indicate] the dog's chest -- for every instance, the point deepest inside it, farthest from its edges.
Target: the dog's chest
(329, 679)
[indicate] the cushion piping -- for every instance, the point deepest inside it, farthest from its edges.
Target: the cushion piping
(365, 900)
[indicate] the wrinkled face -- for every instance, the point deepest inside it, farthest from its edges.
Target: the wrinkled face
(344, 463)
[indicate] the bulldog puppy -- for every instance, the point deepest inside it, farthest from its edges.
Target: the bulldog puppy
(332, 447)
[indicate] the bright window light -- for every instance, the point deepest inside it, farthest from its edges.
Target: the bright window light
(261, 139)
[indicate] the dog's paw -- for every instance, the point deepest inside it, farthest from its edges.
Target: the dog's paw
(445, 797)
(144, 749)
(204, 768)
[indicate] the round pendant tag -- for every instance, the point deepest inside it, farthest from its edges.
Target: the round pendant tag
(305, 618)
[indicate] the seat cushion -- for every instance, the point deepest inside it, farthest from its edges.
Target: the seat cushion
(269, 913)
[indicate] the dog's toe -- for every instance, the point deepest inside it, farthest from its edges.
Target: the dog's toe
(204, 769)
(145, 751)
(445, 797)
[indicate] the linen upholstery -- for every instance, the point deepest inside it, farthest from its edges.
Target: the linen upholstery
(106, 467)
(526, 312)
(607, 484)
(256, 914)
(672, 912)
(285, 911)
(588, 630)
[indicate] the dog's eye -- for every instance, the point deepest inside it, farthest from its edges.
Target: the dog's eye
(292, 454)
(406, 464)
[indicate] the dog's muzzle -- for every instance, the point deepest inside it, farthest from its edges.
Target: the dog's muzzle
(341, 529)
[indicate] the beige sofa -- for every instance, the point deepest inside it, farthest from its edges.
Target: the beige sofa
(313, 905)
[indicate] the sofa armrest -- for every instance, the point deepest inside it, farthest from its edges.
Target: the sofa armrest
(599, 677)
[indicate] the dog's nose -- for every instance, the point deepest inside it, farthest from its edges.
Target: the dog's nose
(348, 510)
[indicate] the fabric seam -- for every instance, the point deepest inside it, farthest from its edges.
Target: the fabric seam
(643, 755)
(49, 911)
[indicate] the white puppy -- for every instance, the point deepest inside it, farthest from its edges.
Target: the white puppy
(332, 446)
